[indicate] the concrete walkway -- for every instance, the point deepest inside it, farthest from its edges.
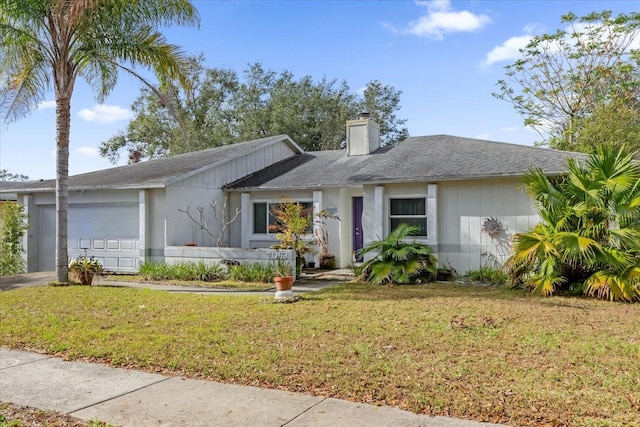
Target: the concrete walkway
(131, 398)
(305, 284)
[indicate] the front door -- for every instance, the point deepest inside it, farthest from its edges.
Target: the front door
(358, 237)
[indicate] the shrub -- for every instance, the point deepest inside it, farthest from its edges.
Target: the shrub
(254, 272)
(186, 271)
(398, 260)
(12, 228)
(488, 275)
(589, 236)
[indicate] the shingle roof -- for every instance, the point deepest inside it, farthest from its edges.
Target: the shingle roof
(425, 158)
(154, 173)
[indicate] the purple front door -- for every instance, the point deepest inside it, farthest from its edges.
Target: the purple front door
(358, 237)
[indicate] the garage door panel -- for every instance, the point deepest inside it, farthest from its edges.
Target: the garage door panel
(107, 232)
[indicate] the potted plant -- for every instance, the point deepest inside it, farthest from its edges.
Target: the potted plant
(83, 269)
(293, 222)
(283, 275)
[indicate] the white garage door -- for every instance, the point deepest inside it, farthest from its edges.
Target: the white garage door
(109, 232)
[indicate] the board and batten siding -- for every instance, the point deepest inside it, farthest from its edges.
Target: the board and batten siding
(204, 188)
(463, 207)
(239, 167)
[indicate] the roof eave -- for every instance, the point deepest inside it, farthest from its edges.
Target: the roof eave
(449, 178)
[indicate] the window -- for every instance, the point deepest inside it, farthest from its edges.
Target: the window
(262, 222)
(412, 211)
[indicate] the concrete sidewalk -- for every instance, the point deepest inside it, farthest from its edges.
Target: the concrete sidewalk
(131, 398)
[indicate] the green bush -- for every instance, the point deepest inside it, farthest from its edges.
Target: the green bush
(12, 228)
(488, 275)
(254, 272)
(589, 235)
(398, 260)
(186, 271)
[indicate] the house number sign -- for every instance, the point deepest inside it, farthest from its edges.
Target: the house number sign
(278, 255)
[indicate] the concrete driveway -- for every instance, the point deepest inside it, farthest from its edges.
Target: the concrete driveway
(26, 280)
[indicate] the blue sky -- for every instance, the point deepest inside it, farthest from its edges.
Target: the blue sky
(445, 57)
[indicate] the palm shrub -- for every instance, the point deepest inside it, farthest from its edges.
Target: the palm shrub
(398, 259)
(589, 236)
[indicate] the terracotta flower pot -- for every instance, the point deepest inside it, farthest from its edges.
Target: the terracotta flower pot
(283, 283)
(84, 277)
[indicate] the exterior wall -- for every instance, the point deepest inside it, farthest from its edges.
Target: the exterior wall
(180, 229)
(340, 243)
(463, 206)
(267, 240)
(235, 240)
(209, 256)
(156, 220)
(204, 188)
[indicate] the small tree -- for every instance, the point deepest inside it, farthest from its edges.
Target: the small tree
(398, 260)
(293, 222)
(562, 77)
(12, 228)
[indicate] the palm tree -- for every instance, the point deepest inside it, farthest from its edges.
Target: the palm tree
(589, 236)
(397, 259)
(48, 44)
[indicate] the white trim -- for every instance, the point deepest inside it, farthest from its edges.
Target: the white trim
(246, 220)
(263, 236)
(424, 196)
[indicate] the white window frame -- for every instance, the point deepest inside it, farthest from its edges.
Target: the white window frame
(425, 216)
(309, 204)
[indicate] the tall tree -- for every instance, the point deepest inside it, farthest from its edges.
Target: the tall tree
(562, 77)
(613, 126)
(224, 107)
(382, 102)
(47, 44)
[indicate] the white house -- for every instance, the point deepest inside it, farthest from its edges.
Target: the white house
(448, 186)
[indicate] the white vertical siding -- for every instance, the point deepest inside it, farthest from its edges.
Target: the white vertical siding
(237, 168)
(204, 188)
(463, 208)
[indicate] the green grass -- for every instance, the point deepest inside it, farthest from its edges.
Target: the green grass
(488, 354)
(223, 284)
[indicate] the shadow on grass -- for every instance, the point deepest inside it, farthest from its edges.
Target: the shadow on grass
(361, 291)
(353, 291)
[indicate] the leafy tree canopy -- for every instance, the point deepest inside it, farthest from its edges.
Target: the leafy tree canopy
(564, 77)
(223, 107)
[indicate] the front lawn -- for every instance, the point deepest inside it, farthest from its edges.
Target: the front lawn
(472, 352)
(222, 284)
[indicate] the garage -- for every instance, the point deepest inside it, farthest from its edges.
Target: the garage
(109, 232)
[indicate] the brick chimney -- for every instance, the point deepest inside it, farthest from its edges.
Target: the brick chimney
(363, 136)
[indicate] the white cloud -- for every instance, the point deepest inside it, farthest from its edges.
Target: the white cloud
(46, 105)
(509, 129)
(484, 136)
(103, 113)
(507, 51)
(441, 19)
(87, 151)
